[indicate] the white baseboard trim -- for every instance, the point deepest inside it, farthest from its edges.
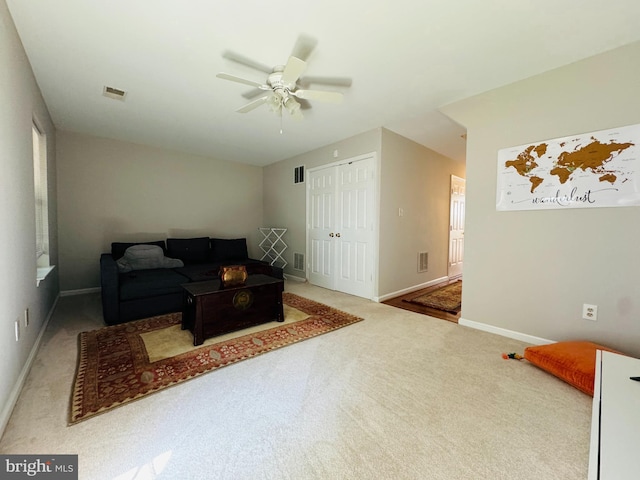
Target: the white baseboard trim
(81, 291)
(22, 378)
(404, 291)
(293, 278)
(523, 337)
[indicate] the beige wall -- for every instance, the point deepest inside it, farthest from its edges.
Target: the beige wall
(531, 271)
(116, 191)
(417, 180)
(20, 103)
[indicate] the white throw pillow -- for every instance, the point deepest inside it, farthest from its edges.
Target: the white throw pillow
(144, 257)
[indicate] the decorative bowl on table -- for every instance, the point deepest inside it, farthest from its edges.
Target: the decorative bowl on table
(233, 275)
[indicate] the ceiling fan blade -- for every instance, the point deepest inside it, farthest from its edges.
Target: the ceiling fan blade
(253, 105)
(293, 70)
(329, 97)
(233, 78)
(253, 93)
(304, 104)
(303, 47)
(334, 81)
(236, 57)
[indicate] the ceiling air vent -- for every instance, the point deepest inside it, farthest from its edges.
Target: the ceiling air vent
(114, 93)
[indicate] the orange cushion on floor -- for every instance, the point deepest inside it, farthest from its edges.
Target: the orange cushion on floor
(573, 362)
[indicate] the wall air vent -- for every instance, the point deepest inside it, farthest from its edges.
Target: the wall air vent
(423, 262)
(298, 261)
(298, 174)
(114, 93)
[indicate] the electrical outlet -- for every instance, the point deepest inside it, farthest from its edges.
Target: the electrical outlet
(26, 317)
(17, 330)
(590, 312)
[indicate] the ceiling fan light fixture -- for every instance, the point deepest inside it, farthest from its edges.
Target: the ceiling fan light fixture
(293, 107)
(274, 102)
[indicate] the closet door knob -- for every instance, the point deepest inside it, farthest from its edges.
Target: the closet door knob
(331, 234)
(337, 234)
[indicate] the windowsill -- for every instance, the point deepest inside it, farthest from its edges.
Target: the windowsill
(42, 273)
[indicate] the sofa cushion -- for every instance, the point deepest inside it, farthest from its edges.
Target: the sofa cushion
(189, 250)
(149, 283)
(144, 257)
(201, 272)
(224, 250)
(118, 248)
(574, 361)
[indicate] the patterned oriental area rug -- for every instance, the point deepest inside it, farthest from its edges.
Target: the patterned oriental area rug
(447, 298)
(122, 363)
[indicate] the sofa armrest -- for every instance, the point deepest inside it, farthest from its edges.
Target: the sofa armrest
(109, 281)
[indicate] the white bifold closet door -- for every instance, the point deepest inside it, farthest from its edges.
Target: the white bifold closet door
(340, 226)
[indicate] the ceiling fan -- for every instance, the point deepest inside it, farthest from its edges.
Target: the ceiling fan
(285, 88)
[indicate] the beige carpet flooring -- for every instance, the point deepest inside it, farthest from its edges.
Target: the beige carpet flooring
(399, 395)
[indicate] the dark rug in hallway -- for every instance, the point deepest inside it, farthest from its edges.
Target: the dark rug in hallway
(447, 298)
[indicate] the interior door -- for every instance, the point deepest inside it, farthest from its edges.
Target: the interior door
(321, 226)
(456, 226)
(354, 228)
(340, 220)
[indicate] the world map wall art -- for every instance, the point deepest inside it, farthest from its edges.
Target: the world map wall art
(597, 169)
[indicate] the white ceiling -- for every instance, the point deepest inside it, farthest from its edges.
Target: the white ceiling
(406, 58)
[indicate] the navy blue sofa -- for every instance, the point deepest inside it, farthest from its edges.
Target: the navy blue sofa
(146, 293)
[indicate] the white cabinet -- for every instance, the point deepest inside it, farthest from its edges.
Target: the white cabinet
(615, 421)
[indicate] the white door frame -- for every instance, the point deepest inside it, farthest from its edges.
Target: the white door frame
(372, 283)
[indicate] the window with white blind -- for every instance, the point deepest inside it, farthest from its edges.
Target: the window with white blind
(40, 184)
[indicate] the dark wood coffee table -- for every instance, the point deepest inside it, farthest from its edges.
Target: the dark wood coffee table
(210, 309)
